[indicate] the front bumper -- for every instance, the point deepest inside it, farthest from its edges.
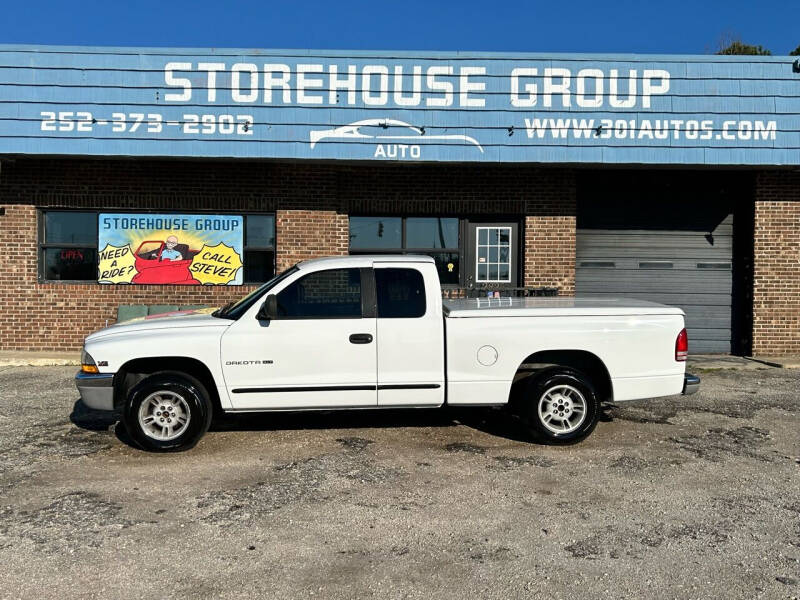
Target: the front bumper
(691, 384)
(96, 389)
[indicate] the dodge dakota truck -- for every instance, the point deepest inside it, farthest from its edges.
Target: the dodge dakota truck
(373, 332)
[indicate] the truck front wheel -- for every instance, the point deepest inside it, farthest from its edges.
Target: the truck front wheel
(559, 406)
(167, 412)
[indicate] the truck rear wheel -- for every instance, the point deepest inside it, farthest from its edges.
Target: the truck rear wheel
(167, 412)
(559, 406)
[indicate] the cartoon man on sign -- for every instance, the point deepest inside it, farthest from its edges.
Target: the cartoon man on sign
(169, 252)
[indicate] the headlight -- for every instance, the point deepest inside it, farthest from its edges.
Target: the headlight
(87, 362)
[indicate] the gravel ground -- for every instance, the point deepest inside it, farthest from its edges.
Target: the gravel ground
(695, 497)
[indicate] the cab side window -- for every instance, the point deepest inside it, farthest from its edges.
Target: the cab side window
(401, 293)
(331, 294)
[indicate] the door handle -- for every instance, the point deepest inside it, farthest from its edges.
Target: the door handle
(361, 338)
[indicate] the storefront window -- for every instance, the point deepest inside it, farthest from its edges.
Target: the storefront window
(68, 246)
(376, 233)
(259, 248)
(431, 233)
(437, 237)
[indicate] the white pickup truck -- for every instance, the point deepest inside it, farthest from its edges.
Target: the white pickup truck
(373, 332)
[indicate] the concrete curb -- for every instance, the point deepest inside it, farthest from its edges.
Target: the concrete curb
(10, 358)
(716, 362)
(782, 362)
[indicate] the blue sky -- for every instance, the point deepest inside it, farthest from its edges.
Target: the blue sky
(675, 26)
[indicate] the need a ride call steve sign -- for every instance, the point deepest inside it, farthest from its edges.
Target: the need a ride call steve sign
(170, 249)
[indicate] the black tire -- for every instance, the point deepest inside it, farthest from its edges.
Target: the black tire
(175, 387)
(559, 380)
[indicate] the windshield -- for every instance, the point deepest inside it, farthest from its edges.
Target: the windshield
(238, 308)
(149, 249)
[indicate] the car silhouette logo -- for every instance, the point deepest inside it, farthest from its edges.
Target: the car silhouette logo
(353, 131)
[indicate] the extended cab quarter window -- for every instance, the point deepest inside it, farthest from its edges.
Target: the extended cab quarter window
(331, 294)
(401, 293)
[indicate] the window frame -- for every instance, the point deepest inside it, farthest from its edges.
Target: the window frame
(41, 244)
(403, 250)
(489, 246)
(518, 250)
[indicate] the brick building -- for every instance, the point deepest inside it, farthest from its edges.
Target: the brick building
(510, 172)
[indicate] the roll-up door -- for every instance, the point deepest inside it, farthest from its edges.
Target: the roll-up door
(673, 252)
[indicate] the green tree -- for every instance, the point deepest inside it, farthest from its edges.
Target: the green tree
(795, 52)
(739, 47)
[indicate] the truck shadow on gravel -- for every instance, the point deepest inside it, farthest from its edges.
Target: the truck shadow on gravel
(100, 422)
(500, 423)
(495, 422)
(344, 419)
(92, 420)
(106, 424)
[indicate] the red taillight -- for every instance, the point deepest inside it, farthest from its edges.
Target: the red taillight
(682, 346)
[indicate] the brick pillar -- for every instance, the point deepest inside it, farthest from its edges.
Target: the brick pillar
(550, 233)
(776, 264)
(18, 295)
(309, 233)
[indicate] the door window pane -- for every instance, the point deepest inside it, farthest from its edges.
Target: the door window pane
(493, 259)
(66, 227)
(401, 293)
(431, 233)
(335, 293)
(503, 273)
(376, 232)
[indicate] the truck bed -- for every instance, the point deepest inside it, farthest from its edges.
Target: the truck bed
(634, 339)
(553, 307)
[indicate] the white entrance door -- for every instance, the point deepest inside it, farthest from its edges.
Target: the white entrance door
(492, 255)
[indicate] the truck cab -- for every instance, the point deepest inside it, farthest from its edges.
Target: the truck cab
(340, 333)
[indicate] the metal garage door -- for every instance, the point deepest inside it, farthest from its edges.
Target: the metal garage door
(675, 252)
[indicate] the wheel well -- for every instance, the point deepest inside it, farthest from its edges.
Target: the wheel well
(132, 372)
(587, 363)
